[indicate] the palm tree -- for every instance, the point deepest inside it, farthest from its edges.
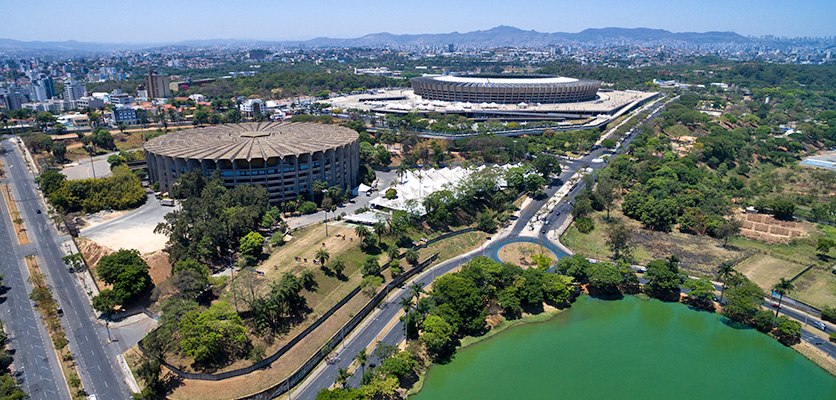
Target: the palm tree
(361, 231)
(783, 288)
(724, 271)
(379, 228)
(362, 357)
(416, 290)
(323, 256)
(393, 252)
(406, 304)
(401, 172)
(342, 377)
(411, 256)
(338, 266)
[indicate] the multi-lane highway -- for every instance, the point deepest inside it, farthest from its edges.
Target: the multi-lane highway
(96, 358)
(35, 362)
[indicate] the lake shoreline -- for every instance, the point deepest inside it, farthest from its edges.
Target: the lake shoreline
(808, 353)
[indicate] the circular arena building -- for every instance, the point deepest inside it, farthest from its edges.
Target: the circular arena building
(286, 158)
(505, 88)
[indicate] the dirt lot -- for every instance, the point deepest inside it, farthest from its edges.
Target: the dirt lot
(770, 230)
(521, 254)
(93, 252)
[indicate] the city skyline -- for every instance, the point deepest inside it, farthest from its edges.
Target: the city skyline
(163, 22)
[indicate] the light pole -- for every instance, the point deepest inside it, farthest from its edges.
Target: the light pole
(326, 214)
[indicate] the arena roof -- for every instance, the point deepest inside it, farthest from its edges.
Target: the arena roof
(251, 140)
(533, 80)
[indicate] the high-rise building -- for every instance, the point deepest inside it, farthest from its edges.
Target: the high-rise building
(46, 83)
(74, 90)
(37, 92)
(157, 85)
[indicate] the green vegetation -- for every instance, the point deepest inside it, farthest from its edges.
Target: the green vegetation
(127, 272)
(213, 219)
(120, 191)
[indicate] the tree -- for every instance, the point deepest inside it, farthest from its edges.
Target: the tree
(323, 256)
(534, 183)
(605, 193)
(371, 266)
(361, 231)
(618, 238)
(724, 272)
(788, 331)
(393, 252)
(106, 301)
(438, 334)
(416, 290)
(783, 208)
(127, 272)
(702, 291)
(664, 279)
(233, 116)
(783, 288)
(338, 266)
(411, 256)
(212, 335)
(485, 222)
(307, 207)
(546, 165)
(609, 143)
(744, 298)
(59, 150)
(252, 245)
(361, 358)
(342, 380)
(824, 245)
(728, 229)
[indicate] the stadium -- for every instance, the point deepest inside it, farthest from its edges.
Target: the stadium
(505, 89)
(286, 158)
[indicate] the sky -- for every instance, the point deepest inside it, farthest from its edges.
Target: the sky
(155, 21)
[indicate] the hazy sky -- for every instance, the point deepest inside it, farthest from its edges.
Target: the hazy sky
(174, 20)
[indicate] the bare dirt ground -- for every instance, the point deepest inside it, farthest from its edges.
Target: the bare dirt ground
(93, 253)
(770, 230)
(521, 254)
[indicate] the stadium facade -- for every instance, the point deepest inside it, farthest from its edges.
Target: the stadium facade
(505, 88)
(285, 158)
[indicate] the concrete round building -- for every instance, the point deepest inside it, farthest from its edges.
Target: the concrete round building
(285, 158)
(505, 88)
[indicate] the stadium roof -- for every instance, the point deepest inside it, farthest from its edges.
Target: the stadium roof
(247, 141)
(533, 80)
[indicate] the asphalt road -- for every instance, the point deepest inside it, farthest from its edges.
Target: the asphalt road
(35, 363)
(88, 339)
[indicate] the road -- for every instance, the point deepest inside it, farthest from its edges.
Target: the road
(381, 320)
(35, 363)
(96, 358)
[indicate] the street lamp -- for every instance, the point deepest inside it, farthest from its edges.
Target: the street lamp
(324, 191)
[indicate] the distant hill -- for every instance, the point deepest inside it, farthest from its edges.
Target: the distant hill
(495, 37)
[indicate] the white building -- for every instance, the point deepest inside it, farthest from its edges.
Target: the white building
(74, 90)
(249, 107)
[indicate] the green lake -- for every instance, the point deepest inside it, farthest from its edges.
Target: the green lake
(628, 349)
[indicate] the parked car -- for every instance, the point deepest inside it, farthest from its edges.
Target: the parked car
(38, 210)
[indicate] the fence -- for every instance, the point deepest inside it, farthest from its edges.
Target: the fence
(284, 349)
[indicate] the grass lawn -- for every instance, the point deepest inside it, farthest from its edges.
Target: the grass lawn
(816, 287)
(766, 270)
(454, 246)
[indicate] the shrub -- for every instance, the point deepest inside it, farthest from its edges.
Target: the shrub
(391, 194)
(307, 207)
(828, 314)
(585, 224)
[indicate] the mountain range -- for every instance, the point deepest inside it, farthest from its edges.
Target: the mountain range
(495, 37)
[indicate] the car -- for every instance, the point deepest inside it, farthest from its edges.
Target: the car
(820, 325)
(558, 213)
(59, 310)
(547, 222)
(775, 305)
(38, 211)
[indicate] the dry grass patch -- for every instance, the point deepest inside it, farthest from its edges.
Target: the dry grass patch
(766, 270)
(522, 253)
(816, 287)
(20, 229)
